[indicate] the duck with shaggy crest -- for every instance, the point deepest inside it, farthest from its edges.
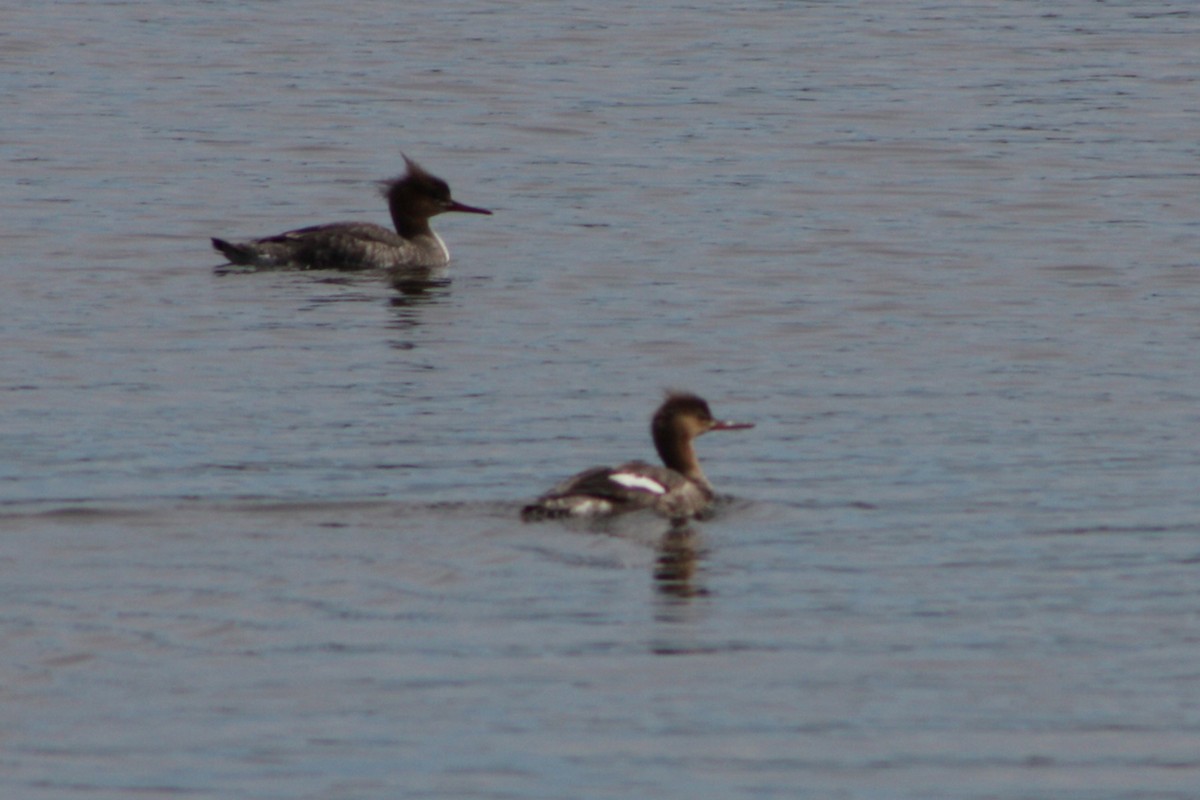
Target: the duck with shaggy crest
(413, 198)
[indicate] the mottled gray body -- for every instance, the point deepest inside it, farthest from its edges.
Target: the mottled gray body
(338, 245)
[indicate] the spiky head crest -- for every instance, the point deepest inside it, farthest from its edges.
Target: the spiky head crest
(417, 180)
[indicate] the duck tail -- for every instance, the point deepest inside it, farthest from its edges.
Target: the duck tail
(236, 253)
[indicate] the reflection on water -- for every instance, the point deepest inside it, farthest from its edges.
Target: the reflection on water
(677, 563)
(416, 289)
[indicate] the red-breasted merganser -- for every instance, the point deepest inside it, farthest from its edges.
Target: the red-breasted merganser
(412, 198)
(677, 490)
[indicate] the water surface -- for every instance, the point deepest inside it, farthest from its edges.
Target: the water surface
(259, 532)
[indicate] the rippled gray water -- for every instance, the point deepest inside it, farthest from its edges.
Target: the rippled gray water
(258, 533)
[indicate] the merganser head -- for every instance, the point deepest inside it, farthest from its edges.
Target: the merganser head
(417, 194)
(688, 414)
(681, 418)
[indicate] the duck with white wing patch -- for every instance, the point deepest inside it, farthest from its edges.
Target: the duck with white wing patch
(677, 490)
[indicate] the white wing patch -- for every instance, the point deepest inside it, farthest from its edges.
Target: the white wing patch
(632, 481)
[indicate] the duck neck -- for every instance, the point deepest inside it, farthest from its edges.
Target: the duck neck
(408, 227)
(676, 451)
